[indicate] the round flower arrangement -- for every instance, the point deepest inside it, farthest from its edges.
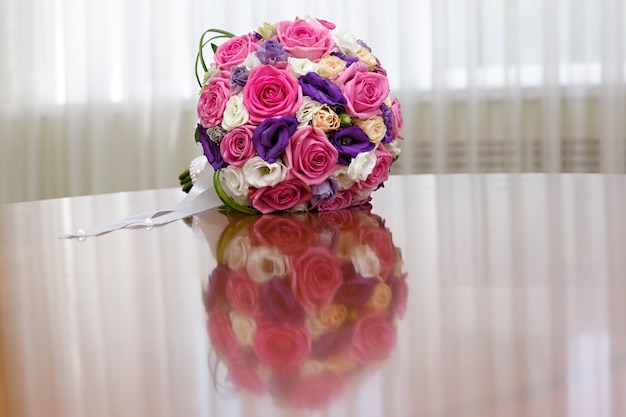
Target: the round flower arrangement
(295, 116)
(301, 304)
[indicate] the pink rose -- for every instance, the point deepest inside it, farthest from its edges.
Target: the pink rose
(316, 276)
(236, 146)
(234, 51)
(318, 390)
(281, 346)
(222, 335)
(342, 199)
(283, 196)
(364, 91)
(302, 39)
(311, 156)
(212, 101)
(287, 233)
(271, 92)
(374, 338)
(242, 292)
(398, 121)
(380, 173)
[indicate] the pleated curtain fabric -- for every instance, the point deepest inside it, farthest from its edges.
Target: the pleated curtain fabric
(100, 96)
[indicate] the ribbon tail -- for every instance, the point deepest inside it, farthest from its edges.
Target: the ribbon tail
(201, 197)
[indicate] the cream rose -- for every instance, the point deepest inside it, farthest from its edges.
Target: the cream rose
(329, 319)
(300, 66)
(330, 65)
(374, 127)
(265, 262)
(307, 110)
(365, 261)
(366, 57)
(361, 166)
(343, 179)
(326, 119)
(381, 297)
(263, 174)
(233, 180)
(235, 113)
(244, 327)
(236, 252)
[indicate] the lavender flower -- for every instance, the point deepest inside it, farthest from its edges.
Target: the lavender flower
(238, 78)
(350, 141)
(270, 52)
(388, 120)
(278, 303)
(364, 45)
(271, 137)
(325, 191)
(320, 89)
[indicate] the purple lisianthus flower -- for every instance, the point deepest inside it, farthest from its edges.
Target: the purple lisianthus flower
(278, 303)
(325, 191)
(350, 141)
(271, 137)
(349, 60)
(238, 78)
(211, 148)
(322, 90)
(271, 52)
(355, 291)
(388, 120)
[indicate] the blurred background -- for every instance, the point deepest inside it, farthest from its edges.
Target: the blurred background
(100, 97)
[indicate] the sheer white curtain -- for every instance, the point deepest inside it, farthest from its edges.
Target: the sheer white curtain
(100, 96)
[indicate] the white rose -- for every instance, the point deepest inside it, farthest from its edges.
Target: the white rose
(343, 179)
(235, 113)
(307, 110)
(265, 262)
(393, 148)
(210, 73)
(251, 61)
(262, 174)
(300, 66)
(361, 166)
(345, 41)
(365, 261)
(233, 181)
(236, 252)
(244, 327)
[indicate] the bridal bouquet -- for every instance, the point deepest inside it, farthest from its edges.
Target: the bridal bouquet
(295, 116)
(301, 304)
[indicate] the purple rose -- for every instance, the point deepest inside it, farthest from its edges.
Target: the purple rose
(350, 141)
(322, 90)
(271, 137)
(271, 52)
(387, 116)
(349, 60)
(238, 78)
(278, 304)
(210, 148)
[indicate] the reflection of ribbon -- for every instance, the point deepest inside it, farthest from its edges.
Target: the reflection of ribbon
(298, 305)
(200, 198)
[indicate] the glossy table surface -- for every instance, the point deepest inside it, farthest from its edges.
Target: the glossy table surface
(456, 295)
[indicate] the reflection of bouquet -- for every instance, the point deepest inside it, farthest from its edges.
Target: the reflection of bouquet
(295, 116)
(299, 304)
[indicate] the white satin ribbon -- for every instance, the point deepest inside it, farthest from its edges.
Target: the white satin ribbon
(201, 197)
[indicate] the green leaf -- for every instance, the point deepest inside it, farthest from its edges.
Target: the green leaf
(214, 47)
